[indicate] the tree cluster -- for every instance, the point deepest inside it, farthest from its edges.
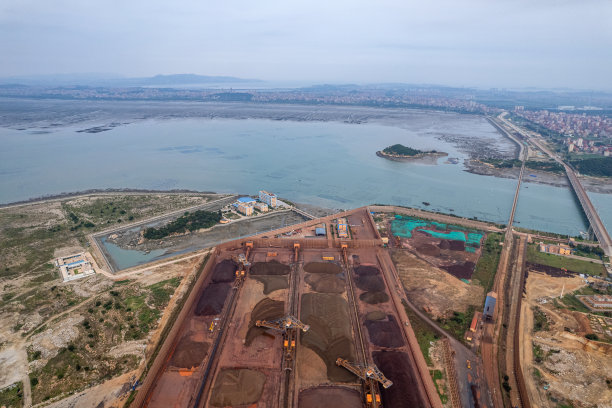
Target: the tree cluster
(187, 222)
(401, 150)
(595, 166)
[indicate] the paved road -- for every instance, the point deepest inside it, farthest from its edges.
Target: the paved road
(465, 376)
(598, 227)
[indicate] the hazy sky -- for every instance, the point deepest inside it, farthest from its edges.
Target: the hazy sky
(488, 43)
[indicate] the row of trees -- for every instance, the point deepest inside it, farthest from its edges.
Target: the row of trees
(553, 167)
(187, 222)
(586, 249)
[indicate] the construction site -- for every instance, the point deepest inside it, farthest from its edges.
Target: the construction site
(287, 321)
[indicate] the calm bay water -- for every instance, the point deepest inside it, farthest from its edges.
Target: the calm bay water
(322, 163)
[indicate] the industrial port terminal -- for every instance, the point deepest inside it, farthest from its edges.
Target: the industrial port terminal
(311, 333)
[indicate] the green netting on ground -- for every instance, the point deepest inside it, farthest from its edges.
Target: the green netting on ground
(466, 281)
(439, 225)
(454, 235)
(474, 239)
(403, 227)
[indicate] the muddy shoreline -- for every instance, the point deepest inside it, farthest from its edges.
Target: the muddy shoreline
(591, 184)
(100, 191)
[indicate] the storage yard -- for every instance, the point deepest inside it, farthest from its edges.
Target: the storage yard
(292, 322)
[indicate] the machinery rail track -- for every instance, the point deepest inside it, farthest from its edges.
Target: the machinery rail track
(369, 386)
(289, 366)
(518, 370)
(213, 358)
(355, 309)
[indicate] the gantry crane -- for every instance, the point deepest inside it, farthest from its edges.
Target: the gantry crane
(243, 264)
(371, 376)
(289, 325)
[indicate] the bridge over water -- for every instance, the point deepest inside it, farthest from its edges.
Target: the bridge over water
(603, 237)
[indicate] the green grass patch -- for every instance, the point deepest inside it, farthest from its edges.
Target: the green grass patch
(134, 303)
(437, 375)
(558, 261)
(425, 335)
(161, 291)
(538, 353)
(123, 282)
(46, 277)
(12, 396)
(571, 301)
(458, 324)
(486, 267)
(540, 321)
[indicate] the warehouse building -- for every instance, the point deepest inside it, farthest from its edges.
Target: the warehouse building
(489, 307)
(560, 249)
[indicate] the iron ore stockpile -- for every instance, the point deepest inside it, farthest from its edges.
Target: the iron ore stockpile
(330, 335)
(273, 275)
(450, 247)
(177, 382)
(228, 349)
(387, 344)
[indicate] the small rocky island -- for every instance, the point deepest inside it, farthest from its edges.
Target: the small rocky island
(400, 152)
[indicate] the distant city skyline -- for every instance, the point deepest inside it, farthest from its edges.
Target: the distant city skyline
(473, 43)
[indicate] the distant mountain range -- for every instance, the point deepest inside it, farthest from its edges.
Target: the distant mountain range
(109, 80)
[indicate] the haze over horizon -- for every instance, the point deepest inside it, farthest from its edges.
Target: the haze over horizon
(475, 43)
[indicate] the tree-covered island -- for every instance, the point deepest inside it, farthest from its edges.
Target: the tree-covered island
(401, 152)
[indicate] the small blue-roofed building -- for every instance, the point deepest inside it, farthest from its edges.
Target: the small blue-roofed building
(245, 205)
(489, 307)
(246, 200)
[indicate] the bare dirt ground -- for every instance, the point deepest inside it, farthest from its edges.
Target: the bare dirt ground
(110, 394)
(42, 316)
(433, 289)
(573, 369)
